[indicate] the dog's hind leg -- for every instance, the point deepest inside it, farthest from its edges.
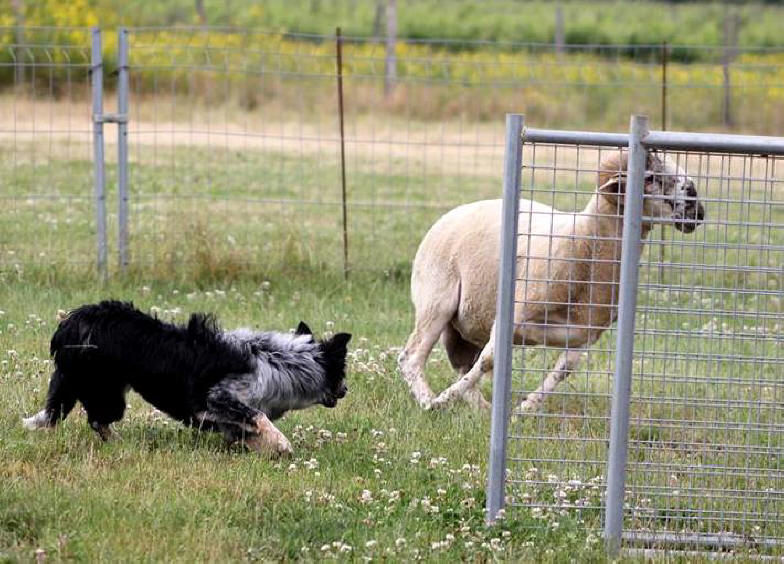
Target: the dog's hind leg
(60, 400)
(104, 404)
(225, 407)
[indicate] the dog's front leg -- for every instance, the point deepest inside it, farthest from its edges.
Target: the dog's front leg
(223, 406)
(268, 438)
(104, 431)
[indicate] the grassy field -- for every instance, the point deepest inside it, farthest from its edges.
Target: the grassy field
(248, 226)
(596, 22)
(374, 477)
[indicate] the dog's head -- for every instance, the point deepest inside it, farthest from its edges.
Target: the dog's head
(333, 360)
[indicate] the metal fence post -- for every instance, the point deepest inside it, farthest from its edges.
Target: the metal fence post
(504, 321)
(339, 64)
(122, 147)
(99, 166)
(630, 260)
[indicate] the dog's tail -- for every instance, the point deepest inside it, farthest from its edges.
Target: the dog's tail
(60, 400)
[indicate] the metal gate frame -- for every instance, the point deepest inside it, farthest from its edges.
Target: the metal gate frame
(99, 118)
(639, 140)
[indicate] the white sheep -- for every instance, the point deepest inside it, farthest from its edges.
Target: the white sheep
(568, 267)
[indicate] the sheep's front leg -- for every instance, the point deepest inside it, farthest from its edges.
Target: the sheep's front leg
(564, 366)
(462, 387)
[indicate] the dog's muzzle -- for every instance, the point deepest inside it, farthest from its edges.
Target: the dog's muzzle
(332, 400)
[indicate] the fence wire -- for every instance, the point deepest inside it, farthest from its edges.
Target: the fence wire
(558, 442)
(234, 136)
(705, 436)
(47, 219)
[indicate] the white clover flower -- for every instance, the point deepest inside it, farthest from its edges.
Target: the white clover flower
(366, 496)
(401, 542)
(371, 543)
(311, 464)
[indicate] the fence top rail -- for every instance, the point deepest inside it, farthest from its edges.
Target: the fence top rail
(715, 142)
(564, 137)
(675, 140)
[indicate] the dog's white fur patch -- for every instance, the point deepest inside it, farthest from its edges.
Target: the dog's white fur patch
(38, 421)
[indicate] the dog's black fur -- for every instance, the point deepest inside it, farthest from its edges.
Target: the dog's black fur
(194, 372)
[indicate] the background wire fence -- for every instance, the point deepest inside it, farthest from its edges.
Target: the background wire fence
(235, 139)
(47, 215)
(705, 437)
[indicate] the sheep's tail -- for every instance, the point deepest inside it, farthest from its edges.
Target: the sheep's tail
(60, 400)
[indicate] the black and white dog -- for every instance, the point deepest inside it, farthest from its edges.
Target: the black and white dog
(236, 382)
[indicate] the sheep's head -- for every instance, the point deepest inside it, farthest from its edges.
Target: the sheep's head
(669, 191)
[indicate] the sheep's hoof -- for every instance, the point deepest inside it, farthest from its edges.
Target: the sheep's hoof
(477, 401)
(527, 407)
(436, 403)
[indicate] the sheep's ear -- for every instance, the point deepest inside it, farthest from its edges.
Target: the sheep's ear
(614, 185)
(303, 329)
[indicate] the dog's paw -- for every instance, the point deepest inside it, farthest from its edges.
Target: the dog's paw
(270, 445)
(283, 447)
(38, 421)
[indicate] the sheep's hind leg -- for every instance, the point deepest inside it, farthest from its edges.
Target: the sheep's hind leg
(483, 365)
(566, 364)
(462, 356)
(412, 358)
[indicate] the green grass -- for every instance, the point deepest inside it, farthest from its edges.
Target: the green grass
(596, 22)
(256, 238)
(163, 492)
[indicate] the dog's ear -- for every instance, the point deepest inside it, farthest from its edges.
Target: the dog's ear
(303, 329)
(340, 340)
(335, 348)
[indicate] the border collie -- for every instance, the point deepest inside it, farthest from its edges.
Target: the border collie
(235, 382)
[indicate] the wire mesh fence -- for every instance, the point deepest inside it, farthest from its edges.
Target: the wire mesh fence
(234, 136)
(47, 217)
(700, 456)
(706, 429)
